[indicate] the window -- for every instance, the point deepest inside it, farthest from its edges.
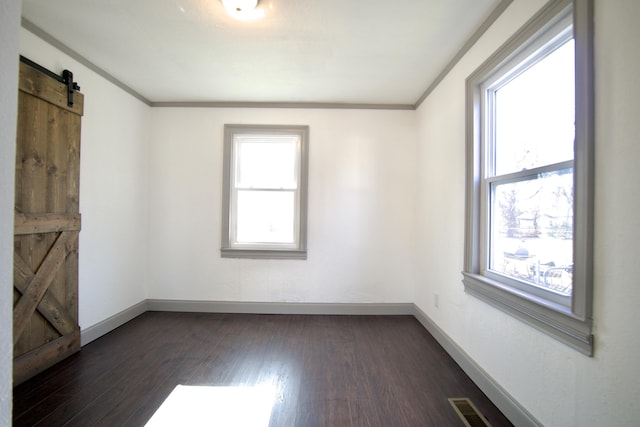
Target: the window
(530, 175)
(265, 191)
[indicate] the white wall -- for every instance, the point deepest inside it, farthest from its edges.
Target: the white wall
(558, 385)
(113, 188)
(361, 209)
(9, 25)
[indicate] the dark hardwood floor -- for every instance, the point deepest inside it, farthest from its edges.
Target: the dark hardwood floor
(329, 371)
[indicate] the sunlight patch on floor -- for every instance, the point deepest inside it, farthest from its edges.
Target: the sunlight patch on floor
(216, 406)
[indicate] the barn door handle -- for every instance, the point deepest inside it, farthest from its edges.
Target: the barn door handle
(67, 78)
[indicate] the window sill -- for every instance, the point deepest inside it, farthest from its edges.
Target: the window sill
(552, 319)
(263, 253)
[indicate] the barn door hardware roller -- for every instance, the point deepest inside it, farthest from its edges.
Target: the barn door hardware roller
(66, 78)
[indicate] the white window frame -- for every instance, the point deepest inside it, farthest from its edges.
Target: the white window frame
(568, 320)
(230, 247)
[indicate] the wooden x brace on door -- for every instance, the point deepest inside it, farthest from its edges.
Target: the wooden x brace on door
(34, 289)
(33, 286)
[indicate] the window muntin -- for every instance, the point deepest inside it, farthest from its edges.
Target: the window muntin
(491, 177)
(265, 191)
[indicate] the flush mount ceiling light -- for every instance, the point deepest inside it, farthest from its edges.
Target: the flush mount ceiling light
(244, 10)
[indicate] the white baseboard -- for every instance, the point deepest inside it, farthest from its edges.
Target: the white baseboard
(517, 414)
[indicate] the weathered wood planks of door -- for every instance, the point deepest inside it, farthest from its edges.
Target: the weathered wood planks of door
(47, 223)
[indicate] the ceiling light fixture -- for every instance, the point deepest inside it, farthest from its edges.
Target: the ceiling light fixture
(244, 10)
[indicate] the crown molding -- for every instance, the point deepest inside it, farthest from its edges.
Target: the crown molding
(493, 16)
(33, 28)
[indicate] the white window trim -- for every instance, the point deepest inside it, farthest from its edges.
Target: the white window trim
(298, 250)
(572, 323)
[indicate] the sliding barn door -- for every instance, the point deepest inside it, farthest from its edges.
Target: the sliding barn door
(47, 222)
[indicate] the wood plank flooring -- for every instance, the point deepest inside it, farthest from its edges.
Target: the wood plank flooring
(328, 370)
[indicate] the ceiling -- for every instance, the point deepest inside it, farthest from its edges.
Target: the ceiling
(384, 52)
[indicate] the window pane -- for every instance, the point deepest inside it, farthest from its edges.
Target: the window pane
(535, 114)
(269, 164)
(265, 217)
(532, 230)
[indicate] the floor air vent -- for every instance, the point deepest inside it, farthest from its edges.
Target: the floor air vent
(468, 412)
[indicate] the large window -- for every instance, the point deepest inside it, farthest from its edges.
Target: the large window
(265, 191)
(529, 165)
